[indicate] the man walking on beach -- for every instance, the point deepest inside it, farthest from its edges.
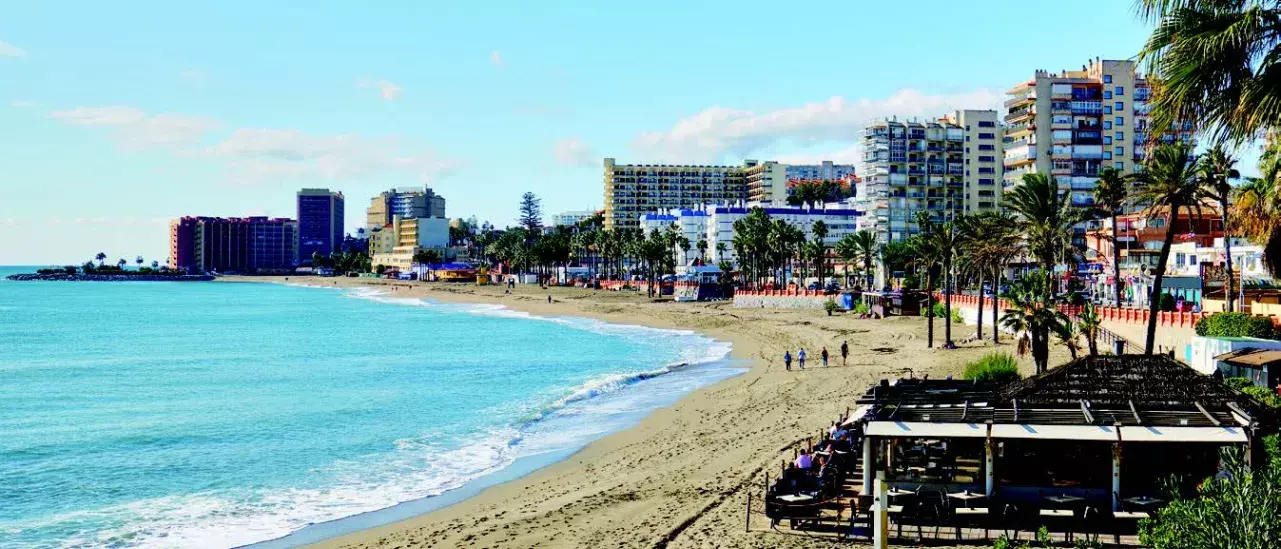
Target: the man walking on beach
(787, 360)
(824, 356)
(800, 358)
(845, 353)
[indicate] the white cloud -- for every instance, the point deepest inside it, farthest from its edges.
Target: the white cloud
(136, 129)
(259, 155)
(10, 50)
(388, 90)
(23, 104)
(572, 151)
(719, 131)
(496, 59)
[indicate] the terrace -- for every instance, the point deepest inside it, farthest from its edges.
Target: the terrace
(1081, 450)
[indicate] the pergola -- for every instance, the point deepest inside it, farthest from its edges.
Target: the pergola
(1085, 405)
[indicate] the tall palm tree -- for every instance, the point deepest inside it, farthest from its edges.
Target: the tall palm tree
(721, 248)
(986, 242)
(101, 257)
(819, 230)
(1088, 324)
(928, 256)
(1217, 170)
(1110, 194)
(1218, 63)
(947, 241)
(847, 249)
(1047, 218)
(1257, 216)
(1167, 184)
(702, 250)
(1034, 315)
(865, 246)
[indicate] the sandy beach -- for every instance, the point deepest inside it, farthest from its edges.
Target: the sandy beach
(680, 478)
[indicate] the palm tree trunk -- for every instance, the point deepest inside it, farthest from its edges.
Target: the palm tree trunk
(1229, 293)
(947, 302)
(996, 303)
(1154, 298)
(979, 334)
(929, 308)
(1116, 261)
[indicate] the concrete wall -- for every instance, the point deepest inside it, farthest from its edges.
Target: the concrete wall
(779, 301)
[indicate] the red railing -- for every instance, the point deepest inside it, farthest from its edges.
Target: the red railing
(1173, 319)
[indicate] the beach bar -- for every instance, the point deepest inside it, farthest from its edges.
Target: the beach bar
(1083, 448)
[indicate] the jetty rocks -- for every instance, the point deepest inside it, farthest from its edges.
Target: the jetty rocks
(110, 277)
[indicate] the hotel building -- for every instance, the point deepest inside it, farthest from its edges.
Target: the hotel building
(408, 203)
(691, 224)
(395, 244)
(714, 224)
(825, 171)
(236, 244)
(946, 167)
(320, 223)
(635, 189)
(571, 218)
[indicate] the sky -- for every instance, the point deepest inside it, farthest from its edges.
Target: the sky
(118, 116)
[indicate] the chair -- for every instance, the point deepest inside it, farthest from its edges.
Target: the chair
(1128, 519)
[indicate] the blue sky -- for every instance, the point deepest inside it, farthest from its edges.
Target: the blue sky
(115, 118)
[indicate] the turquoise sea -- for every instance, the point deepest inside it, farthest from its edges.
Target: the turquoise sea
(153, 414)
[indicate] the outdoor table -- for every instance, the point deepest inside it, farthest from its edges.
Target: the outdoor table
(1065, 498)
(1144, 501)
(966, 496)
(796, 498)
(1057, 513)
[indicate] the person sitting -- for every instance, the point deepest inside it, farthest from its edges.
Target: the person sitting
(804, 461)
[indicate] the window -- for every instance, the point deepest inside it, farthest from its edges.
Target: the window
(1119, 165)
(1107, 79)
(1107, 125)
(1120, 90)
(1120, 136)
(1120, 105)
(987, 159)
(1107, 95)
(987, 124)
(1107, 140)
(1120, 121)
(1107, 155)
(987, 147)
(1120, 151)
(986, 181)
(987, 136)
(1107, 109)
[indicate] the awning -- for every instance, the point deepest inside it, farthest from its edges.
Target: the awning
(1182, 434)
(923, 429)
(1055, 432)
(857, 415)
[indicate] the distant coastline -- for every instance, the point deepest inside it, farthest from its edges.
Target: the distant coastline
(109, 277)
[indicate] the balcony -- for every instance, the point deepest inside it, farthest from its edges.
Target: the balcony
(1020, 116)
(1025, 97)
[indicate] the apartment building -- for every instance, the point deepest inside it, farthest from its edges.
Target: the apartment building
(320, 222)
(691, 224)
(236, 244)
(572, 217)
(635, 189)
(945, 167)
(841, 218)
(823, 171)
(407, 203)
(395, 244)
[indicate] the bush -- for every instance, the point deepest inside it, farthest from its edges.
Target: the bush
(830, 306)
(861, 308)
(994, 367)
(1168, 303)
(939, 310)
(1236, 325)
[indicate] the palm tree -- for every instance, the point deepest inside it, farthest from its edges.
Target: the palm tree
(1217, 169)
(138, 260)
(927, 256)
(1257, 216)
(847, 249)
(819, 229)
(1167, 184)
(947, 242)
(1217, 62)
(1088, 323)
(721, 248)
(101, 257)
(1110, 194)
(1033, 315)
(988, 239)
(1047, 218)
(702, 250)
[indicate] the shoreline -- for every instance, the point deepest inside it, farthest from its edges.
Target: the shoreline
(678, 476)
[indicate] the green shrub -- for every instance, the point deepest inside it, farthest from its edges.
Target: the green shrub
(1236, 325)
(939, 310)
(830, 306)
(995, 367)
(861, 308)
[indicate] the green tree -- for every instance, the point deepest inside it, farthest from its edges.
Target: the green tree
(531, 213)
(819, 230)
(988, 241)
(1217, 64)
(426, 256)
(702, 250)
(1088, 324)
(101, 257)
(1237, 509)
(1046, 217)
(1216, 170)
(1110, 195)
(1034, 315)
(1167, 184)
(928, 256)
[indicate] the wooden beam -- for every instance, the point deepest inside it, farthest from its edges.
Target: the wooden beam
(1085, 410)
(1137, 420)
(966, 410)
(1207, 415)
(1235, 408)
(1016, 410)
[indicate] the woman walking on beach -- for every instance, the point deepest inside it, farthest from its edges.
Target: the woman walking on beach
(787, 360)
(800, 358)
(824, 356)
(845, 353)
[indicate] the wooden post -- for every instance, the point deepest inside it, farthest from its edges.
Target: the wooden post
(881, 517)
(748, 526)
(868, 462)
(1116, 476)
(989, 463)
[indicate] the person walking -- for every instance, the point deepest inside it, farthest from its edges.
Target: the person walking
(845, 353)
(823, 355)
(787, 360)
(800, 358)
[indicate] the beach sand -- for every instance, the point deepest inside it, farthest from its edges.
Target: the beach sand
(680, 477)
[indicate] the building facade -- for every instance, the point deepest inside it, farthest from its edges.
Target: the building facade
(945, 167)
(237, 244)
(320, 223)
(407, 203)
(841, 218)
(635, 189)
(572, 217)
(396, 243)
(691, 224)
(824, 171)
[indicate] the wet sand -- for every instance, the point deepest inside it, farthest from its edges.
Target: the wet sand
(680, 477)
